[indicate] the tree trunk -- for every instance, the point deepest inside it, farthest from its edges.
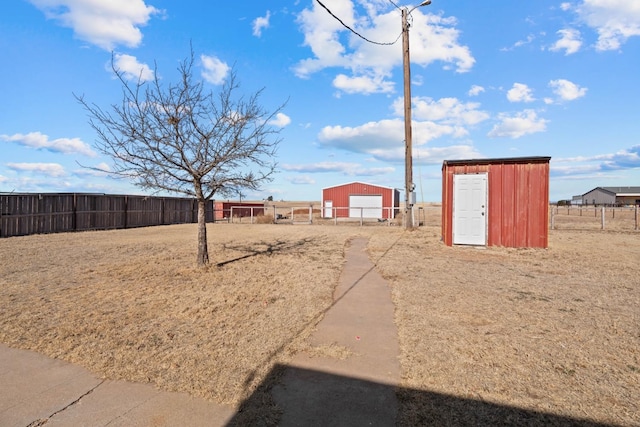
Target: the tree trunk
(203, 252)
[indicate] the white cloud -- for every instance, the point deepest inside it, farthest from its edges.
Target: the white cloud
(384, 136)
(523, 123)
(433, 38)
(530, 38)
(131, 69)
(261, 23)
(623, 159)
(569, 40)
(475, 90)
(384, 139)
(445, 110)
(214, 70)
(38, 140)
(520, 93)
(301, 180)
(50, 169)
(362, 84)
(424, 154)
(345, 168)
(104, 23)
(566, 90)
(281, 120)
(614, 20)
(436, 155)
(321, 167)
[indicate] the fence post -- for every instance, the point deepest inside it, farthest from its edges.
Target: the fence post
(74, 216)
(126, 208)
(637, 206)
(335, 216)
(602, 217)
(553, 218)
(310, 214)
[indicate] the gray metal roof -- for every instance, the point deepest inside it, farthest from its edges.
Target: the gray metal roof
(618, 190)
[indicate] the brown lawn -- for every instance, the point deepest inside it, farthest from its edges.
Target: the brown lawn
(554, 330)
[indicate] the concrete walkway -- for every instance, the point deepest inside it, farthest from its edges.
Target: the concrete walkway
(359, 390)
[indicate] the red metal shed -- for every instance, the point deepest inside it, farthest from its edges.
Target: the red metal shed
(496, 202)
(360, 200)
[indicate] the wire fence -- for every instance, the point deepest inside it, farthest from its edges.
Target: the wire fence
(617, 218)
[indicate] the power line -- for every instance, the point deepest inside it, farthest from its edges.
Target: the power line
(393, 3)
(354, 31)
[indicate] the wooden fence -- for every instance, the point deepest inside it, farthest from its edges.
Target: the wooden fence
(25, 214)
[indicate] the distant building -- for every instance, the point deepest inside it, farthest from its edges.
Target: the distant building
(611, 196)
(360, 200)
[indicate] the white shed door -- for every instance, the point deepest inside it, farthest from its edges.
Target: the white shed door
(328, 209)
(470, 209)
(365, 206)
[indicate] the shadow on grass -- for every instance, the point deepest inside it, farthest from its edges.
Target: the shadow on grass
(292, 396)
(266, 248)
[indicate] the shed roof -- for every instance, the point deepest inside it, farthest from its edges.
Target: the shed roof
(362, 183)
(618, 191)
(535, 159)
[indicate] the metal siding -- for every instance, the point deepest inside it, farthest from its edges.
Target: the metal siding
(517, 202)
(340, 196)
(496, 204)
(599, 197)
(523, 206)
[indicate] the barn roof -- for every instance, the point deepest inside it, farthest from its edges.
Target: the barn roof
(618, 191)
(362, 183)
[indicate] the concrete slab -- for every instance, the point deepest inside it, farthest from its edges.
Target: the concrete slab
(37, 390)
(33, 386)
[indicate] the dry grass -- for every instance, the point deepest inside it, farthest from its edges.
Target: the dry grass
(130, 304)
(554, 330)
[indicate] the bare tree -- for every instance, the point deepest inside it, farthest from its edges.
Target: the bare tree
(183, 139)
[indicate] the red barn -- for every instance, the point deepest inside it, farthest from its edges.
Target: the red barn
(496, 202)
(226, 209)
(360, 200)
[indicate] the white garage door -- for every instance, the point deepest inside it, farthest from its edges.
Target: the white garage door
(365, 206)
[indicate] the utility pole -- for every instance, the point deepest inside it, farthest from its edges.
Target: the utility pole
(408, 155)
(409, 196)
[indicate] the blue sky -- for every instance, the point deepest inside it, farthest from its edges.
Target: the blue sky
(506, 78)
